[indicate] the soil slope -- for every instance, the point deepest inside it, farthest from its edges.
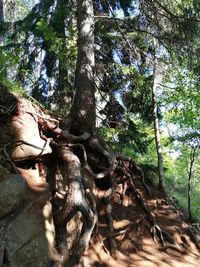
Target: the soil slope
(135, 246)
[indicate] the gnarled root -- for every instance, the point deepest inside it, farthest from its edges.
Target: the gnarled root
(125, 168)
(130, 167)
(75, 201)
(155, 230)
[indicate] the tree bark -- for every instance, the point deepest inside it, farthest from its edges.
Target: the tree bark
(76, 201)
(1, 11)
(192, 159)
(1, 18)
(83, 112)
(156, 128)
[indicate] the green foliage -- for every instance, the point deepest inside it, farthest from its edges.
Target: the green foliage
(184, 100)
(50, 36)
(16, 9)
(177, 179)
(132, 138)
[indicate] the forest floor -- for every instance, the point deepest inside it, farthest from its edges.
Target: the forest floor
(136, 246)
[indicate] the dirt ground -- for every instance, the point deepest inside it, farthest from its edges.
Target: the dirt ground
(136, 247)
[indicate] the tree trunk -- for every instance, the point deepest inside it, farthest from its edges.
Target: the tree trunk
(156, 128)
(1, 18)
(1, 11)
(192, 158)
(82, 119)
(83, 112)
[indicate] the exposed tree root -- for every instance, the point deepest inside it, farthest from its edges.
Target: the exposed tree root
(155, 230)
(75, 200)
(99, 146)
(194, 237)
(131, 168)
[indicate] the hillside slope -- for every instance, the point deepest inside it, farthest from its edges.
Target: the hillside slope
(136, 247)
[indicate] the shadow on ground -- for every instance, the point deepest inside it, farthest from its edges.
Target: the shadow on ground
(136, 246)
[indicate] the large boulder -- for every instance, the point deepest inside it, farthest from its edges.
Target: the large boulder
(29, 237)
(26, 227)
(20, 134)
(12, 192)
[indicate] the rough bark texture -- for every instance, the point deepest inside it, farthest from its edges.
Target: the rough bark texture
(1, 11)
(83, 113)
(1, 18)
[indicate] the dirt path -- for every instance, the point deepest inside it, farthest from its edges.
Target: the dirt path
(136, 247)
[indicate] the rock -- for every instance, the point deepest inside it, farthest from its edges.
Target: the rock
(29, 238)
(4, 173)
(3, 226)
(12, 191)
(26, 236)
(20, 132)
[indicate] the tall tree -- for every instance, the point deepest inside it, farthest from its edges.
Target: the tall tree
(1, 11)
(1, 18)
(156, 125)
(190, 170)
(82, 120)
(83, 112)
